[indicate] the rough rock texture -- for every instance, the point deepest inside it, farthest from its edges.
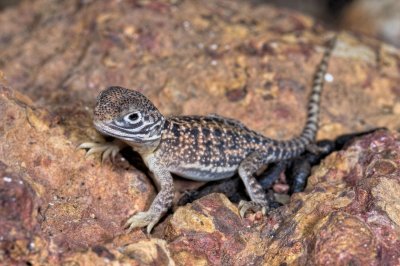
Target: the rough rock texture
(235, 58)
(349, 212)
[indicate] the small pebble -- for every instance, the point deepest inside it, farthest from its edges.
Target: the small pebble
(328, 77)
(7, 179)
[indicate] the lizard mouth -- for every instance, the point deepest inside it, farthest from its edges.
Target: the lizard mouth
(110, 129)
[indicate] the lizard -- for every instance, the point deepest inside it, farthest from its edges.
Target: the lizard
(202, 148)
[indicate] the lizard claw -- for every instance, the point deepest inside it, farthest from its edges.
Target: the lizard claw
(244, 206)
(107, 150)
(142, 219)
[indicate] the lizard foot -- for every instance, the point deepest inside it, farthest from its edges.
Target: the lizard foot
(315, 149)
(142, 219)
(106, 149)
(244, 206)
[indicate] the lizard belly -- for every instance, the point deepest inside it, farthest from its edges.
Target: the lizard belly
(204, 173)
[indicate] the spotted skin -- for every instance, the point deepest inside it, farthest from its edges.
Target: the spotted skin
(209, 148)
(203, 148)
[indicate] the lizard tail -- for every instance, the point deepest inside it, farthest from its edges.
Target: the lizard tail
(286, 149)
(311, 126)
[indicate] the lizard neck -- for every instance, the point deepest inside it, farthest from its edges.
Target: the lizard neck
(145, 149)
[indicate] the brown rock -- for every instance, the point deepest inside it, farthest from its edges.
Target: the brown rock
(250, 62)
(18, 216)
(196, 58)
(48, 197)
(149, 252)
(348, 213)
(211, 232)
(379, 19)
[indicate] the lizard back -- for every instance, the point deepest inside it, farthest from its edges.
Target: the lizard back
(207, 147)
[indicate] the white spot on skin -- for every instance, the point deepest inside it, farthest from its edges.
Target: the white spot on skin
(7, 179)
(214, 62)
(328, 77)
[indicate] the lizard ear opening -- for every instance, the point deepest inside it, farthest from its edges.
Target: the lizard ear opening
(133, 118)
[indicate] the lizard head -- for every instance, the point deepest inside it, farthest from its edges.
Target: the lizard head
(127, 115)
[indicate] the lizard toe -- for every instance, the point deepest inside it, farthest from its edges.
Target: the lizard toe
(107, 150)
(245, 206)
(142, 219)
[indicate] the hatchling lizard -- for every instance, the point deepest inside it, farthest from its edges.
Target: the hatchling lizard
(203, 148)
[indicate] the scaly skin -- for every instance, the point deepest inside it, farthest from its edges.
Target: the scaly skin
(203, 148)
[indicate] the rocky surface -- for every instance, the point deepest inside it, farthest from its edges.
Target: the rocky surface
(250, 62)
(348, 214)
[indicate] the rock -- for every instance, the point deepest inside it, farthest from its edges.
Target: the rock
(50, 203)
(349, 214)
(250, 62)
(18, 219)
(149, 252)
(211, 232)
(379, 19)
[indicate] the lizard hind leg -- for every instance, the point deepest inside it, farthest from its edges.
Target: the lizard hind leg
(247, 168)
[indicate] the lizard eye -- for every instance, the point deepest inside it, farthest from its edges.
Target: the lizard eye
(133, 117)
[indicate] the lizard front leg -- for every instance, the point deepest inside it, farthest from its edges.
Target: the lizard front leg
(107, 149)
(161, 203)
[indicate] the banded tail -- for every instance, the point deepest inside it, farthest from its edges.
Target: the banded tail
(311, 127)
(307, 137)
